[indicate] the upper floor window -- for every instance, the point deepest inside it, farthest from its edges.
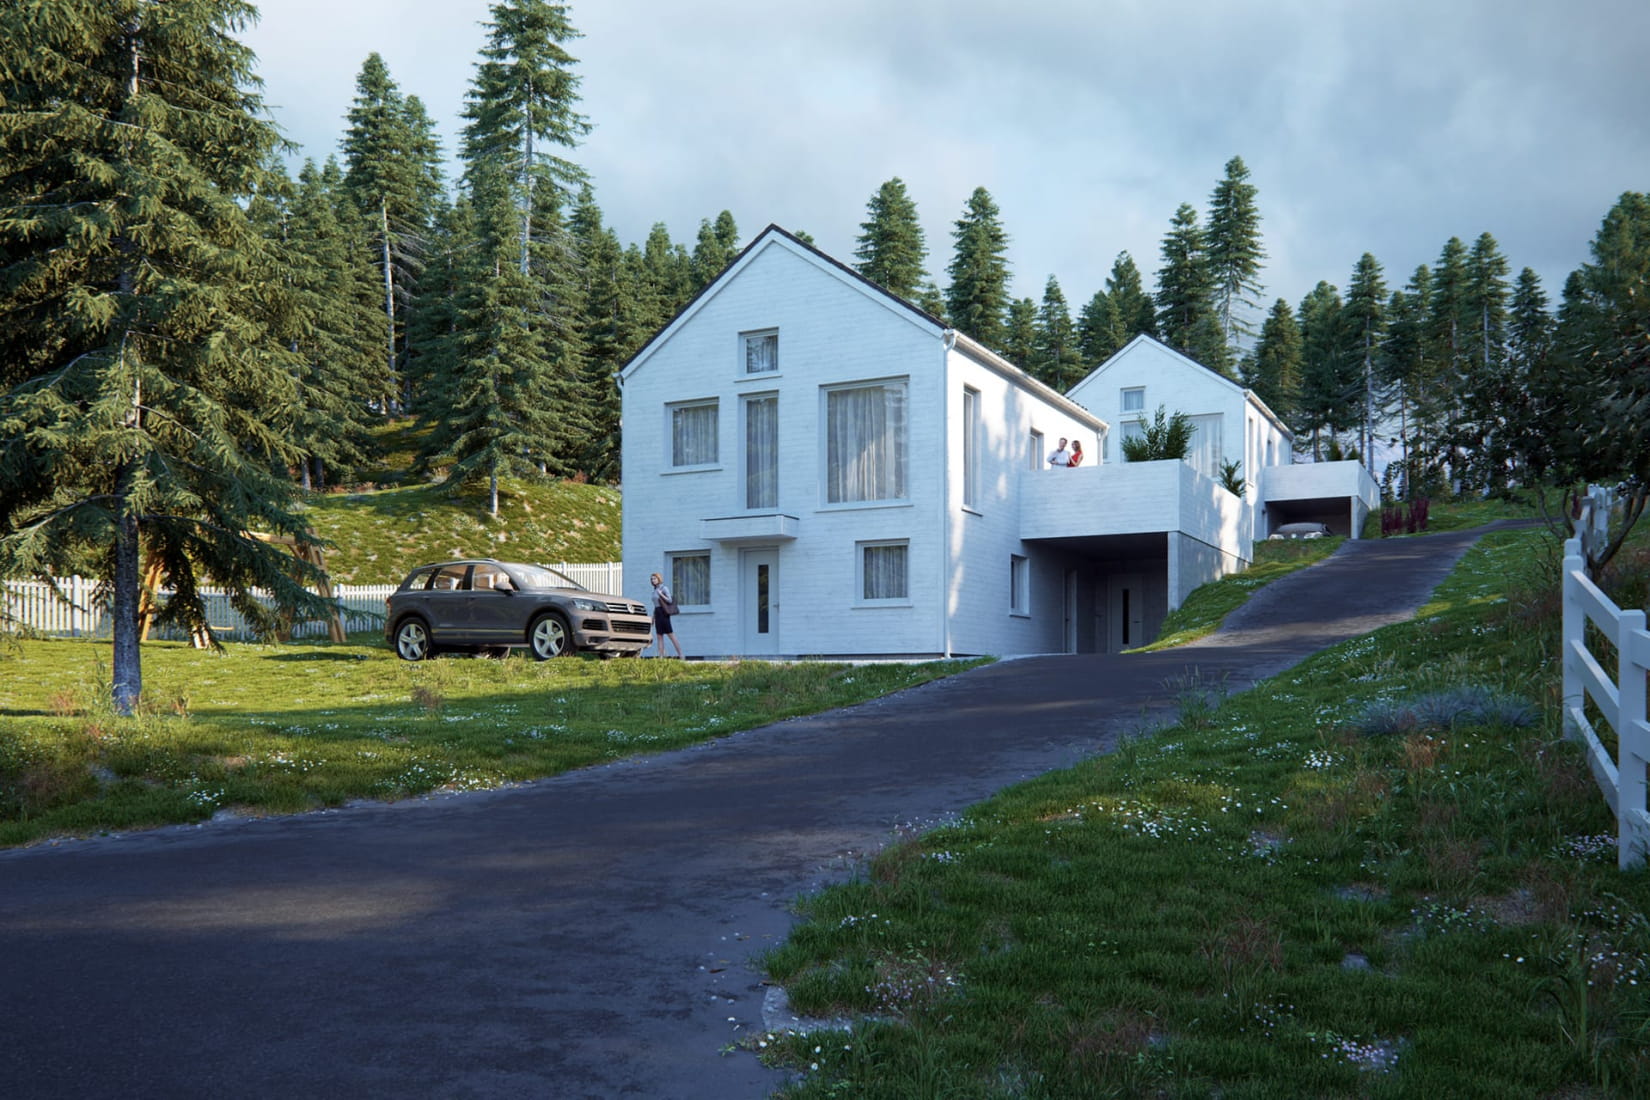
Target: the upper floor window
(1034, 450)
(971, 447)
(865, 442)
(693, 433)
(1134, 400)
(761, 351)
(762, 451)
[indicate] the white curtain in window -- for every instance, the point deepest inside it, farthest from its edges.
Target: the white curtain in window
(693, 435)
(885, 572)
(1204, 453)
(690, 580)
(865, 443)
(762, 353)
(762, 452)
(1132, 429)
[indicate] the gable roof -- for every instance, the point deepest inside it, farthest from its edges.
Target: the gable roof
(1249, 395)
(774, 235)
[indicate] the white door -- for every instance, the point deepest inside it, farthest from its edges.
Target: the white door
(1125, 611)
(759, 601)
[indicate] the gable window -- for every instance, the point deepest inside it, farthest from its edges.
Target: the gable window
(1019, 585)
(762, 451)
(690, 579)
(971, 447)
(1034, 450)
(865, 442)
(1134, 400)
(883, 571)
(761, 351)
(693, 434)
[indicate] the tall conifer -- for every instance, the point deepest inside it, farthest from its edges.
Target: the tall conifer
(978, 297)
(891, 250)
(1235, 253)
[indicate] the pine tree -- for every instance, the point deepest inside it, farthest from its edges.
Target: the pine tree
(978, 298)
(1486, 389)
(1097, 330)
(718, 243)
(1409, 366)
(1276, 373)
(1234, 253)
(891, 250)
(1326, 391)
(392, 167)
(1055, 358)
(1531, 412)
(1186, 318)
(611, 332)
(1363, 321)
(1448, 328)
(1132, 309)
(1020, 339)
(146, 407)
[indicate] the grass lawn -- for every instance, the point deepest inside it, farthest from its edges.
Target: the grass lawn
(278, 729)
(1380, 874)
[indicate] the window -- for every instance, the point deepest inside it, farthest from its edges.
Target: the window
(1034, 450)
(1132, 429)
(761, 351)
(971, 447)
(690, 579)
(1019, 585)
(1134, 400)
(865, 443)
(762, 451)
(693, 434)
(883, 572)
(1204, 453)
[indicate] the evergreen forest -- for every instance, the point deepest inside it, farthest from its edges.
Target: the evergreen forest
(193, 338)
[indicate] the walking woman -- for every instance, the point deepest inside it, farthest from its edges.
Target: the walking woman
(663, 608)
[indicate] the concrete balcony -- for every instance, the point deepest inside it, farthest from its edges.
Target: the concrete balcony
(1113, 501)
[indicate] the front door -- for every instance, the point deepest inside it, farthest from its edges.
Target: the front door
(1125, 612)
(759, 601)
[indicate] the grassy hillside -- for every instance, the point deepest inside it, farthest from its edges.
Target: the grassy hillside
(378, 535)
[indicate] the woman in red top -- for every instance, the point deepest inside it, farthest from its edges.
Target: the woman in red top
(1076, 454)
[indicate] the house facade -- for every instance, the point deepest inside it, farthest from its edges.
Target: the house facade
(817, 467)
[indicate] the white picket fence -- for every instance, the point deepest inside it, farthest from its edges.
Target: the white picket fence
(75, 609)
(1619, 700)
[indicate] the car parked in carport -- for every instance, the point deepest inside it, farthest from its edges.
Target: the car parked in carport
(484, 605)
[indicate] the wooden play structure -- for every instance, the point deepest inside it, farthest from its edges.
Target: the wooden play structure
(304, 552)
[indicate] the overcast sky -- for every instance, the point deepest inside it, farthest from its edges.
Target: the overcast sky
(1385, 126)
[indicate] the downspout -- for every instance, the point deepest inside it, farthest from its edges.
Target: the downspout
(948, 341)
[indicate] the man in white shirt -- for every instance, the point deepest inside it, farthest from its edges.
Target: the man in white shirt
(1060, 457)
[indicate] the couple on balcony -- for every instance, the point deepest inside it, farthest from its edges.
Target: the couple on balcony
(1063, 457)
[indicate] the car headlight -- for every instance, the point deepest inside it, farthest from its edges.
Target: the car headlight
(589, 605)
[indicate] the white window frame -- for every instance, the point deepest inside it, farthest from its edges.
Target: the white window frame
(1132, 399)
(971, 448)
(672, 458)
(1019, 585)
(685, 594)
(754, 339)
(747, 456)
(899, 493)
(861, 553)
(1132, 429)
(1035, 456)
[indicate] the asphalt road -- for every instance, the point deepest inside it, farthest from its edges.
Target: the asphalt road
(590, 935)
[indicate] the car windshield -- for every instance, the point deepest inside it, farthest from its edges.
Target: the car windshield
(537, 576)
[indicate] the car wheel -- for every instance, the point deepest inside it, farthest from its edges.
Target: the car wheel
(412, 641)
(549, 637)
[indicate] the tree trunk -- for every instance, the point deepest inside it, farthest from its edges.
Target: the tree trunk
(127, 674)
(389, 305)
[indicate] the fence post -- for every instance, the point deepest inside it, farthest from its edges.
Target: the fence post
(1572, 633)
(1632, 740)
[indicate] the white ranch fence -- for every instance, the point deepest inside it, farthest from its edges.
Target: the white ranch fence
(75, 609)
(1620, 701)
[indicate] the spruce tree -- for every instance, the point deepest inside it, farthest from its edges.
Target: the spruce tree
(891, 250)
(1363, 321)
(1276, 371)
(1235, 253)
(1096, 330)
(1186, 317)
(977, 300)
(146, 407)
(1132, 309)
(718, 244)
(1530, 325)
(1020, 333)
(1486, 389)
(1055, 357)
(392, 168)
(1449, 329)
(1326, 392)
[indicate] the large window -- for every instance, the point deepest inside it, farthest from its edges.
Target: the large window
(883, 572)
(761, 351)
(693, 434)
(971, 447)
(762, 451)
(865, 442)
(690, 579)
(1204, 453)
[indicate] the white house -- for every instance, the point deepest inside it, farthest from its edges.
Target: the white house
(820, 468)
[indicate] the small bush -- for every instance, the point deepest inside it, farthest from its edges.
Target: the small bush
(1444, 710)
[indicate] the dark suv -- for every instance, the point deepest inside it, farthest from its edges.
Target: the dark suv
(486, 605)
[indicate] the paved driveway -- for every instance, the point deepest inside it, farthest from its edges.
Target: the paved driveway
(589, 935)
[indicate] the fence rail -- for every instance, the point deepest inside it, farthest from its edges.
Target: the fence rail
(73, 607)
(1620, 701)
